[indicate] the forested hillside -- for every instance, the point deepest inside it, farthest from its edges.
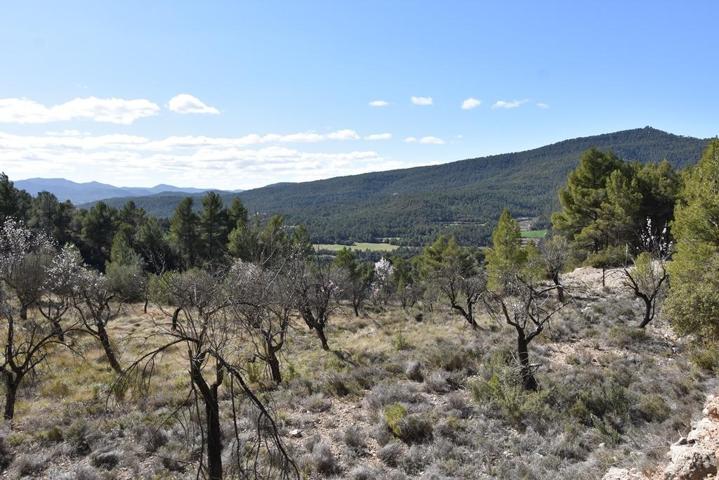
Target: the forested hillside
(461, 197)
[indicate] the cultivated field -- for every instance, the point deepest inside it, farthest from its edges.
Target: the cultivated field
(362, 246)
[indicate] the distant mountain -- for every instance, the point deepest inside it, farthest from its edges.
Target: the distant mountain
(463, 197)
(79, 193)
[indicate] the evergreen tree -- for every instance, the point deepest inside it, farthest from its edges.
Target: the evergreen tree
(98, 231)
(237, 214)
(582, 197)
(50, 216)
(184, 233)
(154, 248)
(506, 256)
(14, 203)
(693, 301)
(213, 227)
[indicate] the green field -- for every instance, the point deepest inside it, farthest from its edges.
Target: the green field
(372, 247)
(534, 234)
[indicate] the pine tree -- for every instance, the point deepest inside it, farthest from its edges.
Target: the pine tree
(14, 203)
(184, 232)
(693, 301)
(213, 227)
(583, 195)
(98, 231)
(236, 215)
(506, 257)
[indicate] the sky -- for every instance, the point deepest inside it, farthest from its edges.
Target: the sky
(240, 94)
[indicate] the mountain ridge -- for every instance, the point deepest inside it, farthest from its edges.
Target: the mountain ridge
(458, 197)
(85, 192)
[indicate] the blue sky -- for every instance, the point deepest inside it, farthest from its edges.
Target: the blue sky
(281, 91)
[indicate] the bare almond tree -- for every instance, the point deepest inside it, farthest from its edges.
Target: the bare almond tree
(316, 289)
(647, 278)
(93, 301)
(24, 255)
(57, 294)
(262, 299)
(212, 336)
(26, 339)
(527, 307)
(554, 252)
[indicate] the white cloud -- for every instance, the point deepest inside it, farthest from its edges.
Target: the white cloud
(431, 141)
(542, 105)
(428, 140)
(343, 135)
(471, 103)
(186, 103)
(379, 136)
(422, 101)
(507, 104)
(192, 160)
(378, 103)
(108, 110)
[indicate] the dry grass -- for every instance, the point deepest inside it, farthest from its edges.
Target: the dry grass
(466, 419)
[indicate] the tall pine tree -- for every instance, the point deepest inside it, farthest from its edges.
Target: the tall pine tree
(693, 301)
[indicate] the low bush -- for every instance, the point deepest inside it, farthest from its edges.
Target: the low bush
(392, 454)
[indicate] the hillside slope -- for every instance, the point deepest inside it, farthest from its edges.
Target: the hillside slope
(460, 197)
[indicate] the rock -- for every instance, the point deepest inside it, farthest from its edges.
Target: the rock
(681, 441)
(413, 370)
(295, 433)
(690, 463)
(622, 474)
(692, 457)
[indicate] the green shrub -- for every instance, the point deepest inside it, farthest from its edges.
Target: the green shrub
(408, 428)
(393, 414)
(653, 408)
(705, 357)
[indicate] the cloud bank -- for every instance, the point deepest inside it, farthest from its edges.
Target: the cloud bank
(106, 110)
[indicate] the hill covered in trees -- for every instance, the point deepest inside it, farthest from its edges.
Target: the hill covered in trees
(461, 198)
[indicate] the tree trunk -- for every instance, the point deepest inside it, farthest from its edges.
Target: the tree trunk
(355, 307)
(273, 362)
(144, 307)
(322, 337)
(175, 316)
(528, 380)
(212, 414)
(11, 386)
(604, 276)
(57, 330)
(560, 288)
(23, 311)
(107, 346)
(214, 440)
(647, 312)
